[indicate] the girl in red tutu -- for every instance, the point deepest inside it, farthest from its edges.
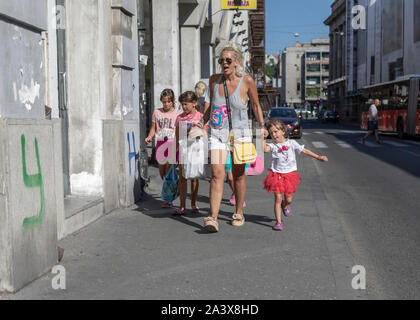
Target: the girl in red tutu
(283, 178)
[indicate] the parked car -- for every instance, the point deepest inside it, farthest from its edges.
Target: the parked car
(290, 118)
(330, 116)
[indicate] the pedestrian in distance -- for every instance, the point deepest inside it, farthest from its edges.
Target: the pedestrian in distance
(282, 178)
(184, 123)
(373, 122)
(163, 127)
(241, 88)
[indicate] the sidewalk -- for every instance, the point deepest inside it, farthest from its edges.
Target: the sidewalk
(145, 253)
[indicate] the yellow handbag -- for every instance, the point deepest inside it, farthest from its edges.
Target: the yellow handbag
(243, 152)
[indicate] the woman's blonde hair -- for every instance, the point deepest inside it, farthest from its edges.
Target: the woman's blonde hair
(239, 70)
(200, 89)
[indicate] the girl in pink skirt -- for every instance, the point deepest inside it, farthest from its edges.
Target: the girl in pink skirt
(282, 178)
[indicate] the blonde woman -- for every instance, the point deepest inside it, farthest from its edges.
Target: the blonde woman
(241, 90)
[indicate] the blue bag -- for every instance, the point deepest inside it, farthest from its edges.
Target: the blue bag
(170, 185)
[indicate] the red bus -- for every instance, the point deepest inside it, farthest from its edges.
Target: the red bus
(399, 110)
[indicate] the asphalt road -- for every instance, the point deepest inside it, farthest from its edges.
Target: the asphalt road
(360, 208)
(375, 192)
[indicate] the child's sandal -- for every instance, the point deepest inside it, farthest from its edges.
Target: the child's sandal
(287, 211)
(178, 212)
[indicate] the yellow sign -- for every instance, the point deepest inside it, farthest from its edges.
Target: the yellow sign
(245, 5)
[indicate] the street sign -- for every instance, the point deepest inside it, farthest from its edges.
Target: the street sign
(245, 4)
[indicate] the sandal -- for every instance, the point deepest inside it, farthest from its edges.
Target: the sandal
(167, 204)
(210, 224)
(278, 226)
(233, 201)
(238, 220)
(287, 211)
(178, 212)
(195, 209)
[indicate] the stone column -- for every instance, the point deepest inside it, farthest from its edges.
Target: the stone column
(190, 57)
(166, 59)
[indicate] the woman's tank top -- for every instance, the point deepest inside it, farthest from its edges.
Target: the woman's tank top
(239, 111)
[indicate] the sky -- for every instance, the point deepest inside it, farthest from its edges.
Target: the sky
(284, 18)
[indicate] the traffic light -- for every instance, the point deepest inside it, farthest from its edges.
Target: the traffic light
(298, 86)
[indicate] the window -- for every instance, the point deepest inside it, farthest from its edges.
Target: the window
(325, 55)
(313, 56)
(372, 65)
(313, 80)
(418, 99)
(313, 67)
(416, 24)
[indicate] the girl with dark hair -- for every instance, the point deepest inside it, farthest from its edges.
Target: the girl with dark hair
(163, 127)
(184, 126)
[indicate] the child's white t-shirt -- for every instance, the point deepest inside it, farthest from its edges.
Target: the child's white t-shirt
(283, 156)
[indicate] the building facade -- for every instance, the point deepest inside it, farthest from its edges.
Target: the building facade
(305, 73)
(315, 73)
(381, 43)
(69, 125)
(291, 90)
(337, 83)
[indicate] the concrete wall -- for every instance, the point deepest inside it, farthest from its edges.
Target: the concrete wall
(23, 84)
(30, 150)
(29, 222)
(103, 36)
(166, 53)
(84, 96)
(131, 187)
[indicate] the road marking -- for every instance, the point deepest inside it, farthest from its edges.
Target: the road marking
(319, 132)
(394, 144)
(353, 131)
(319, 144)
(412, 153)
(369, 144)
(306, 133)
(344, 144)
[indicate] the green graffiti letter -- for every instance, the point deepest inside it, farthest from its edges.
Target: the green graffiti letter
(32, 181)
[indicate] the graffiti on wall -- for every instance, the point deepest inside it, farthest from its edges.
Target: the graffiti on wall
(131, 154)
(33, 181)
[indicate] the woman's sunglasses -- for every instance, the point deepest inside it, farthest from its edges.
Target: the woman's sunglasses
(228, 61)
